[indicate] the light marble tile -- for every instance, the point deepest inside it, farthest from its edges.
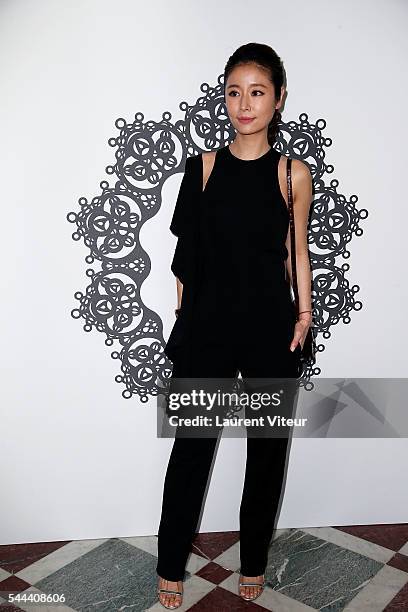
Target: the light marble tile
(351, 542)
(4, 574)
(229, 558)
(195, 588)
(195, 563)
(404, 549)
(270, 599)
(201, 553)
(379, 591)
(146, 543)
(59, 558)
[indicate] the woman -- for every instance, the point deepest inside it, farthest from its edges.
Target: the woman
(233, 269)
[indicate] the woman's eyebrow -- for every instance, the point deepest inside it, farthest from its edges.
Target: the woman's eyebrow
(251, 85)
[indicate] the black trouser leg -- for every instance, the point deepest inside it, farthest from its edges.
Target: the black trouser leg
(264, 476)
(265, 463)
(187, 475)
(184, 488)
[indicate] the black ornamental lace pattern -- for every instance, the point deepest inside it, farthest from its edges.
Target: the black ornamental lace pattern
(147, 153)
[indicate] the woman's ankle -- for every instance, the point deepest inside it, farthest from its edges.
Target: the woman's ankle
(160, 577)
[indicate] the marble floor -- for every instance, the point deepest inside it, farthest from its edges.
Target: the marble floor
(330, 568)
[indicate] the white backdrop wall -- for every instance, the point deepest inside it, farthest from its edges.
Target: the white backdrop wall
(78, 460)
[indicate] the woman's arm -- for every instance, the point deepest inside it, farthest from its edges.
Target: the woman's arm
(179, 288)
(302, 198)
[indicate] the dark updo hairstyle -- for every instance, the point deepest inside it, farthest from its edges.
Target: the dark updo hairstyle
(264, 57)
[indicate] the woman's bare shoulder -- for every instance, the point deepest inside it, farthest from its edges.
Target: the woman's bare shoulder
(302, 181)
(300, 170)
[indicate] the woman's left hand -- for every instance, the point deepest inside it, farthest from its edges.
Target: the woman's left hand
(300, 332)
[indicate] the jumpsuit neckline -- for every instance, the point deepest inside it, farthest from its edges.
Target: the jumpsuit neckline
(249, 161)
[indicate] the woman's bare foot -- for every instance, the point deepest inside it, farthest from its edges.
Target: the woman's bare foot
(252, 591)
(170, 600)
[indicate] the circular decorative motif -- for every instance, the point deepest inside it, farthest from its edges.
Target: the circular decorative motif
(147, 154)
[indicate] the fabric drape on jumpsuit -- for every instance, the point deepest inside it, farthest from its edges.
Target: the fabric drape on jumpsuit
(186, 259)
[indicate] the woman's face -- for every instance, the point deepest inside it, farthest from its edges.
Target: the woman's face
(250, 93)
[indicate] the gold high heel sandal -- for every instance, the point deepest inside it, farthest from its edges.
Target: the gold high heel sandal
(170, 592)
(260, 585)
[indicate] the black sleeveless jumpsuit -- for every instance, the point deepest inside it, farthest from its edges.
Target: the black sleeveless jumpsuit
(242, 320)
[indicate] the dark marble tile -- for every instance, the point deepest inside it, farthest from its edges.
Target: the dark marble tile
(399, 561)
(315, 572)
(214, 573)
(221, 600)
(14, 583)
(212, 544)
(113, 576)
(400, 601)
(389, 536)
(15, 557)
